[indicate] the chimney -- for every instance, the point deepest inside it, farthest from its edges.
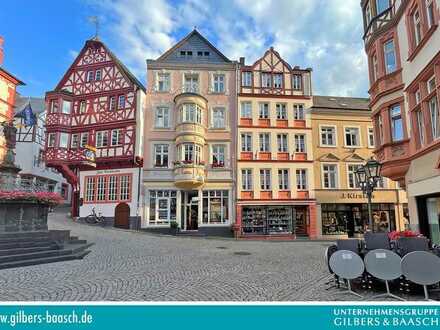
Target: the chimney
(242, 60)
(1, 50)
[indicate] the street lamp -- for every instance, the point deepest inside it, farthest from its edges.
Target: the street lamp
(368, 175)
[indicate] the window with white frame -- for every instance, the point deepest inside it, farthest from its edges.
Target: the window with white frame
(328, 136)
(265, 180)
(264, 142)
(89, 76)
(298, 111)
(162, 117)
(246, 79)
(430, 12)
(191, 113)
(84, 139)
(278, 80)
(390, 56)
(121, 101)
(112, 188)
(66, 106)
(246, 142)
(329, 176)
(380, 129)
(101, 139)
(82, 107)
(297, 81)
(74, 143)
(191, 83)
(370, 137)
(266, 80)
(163, 82)
(382, 183)
(420, 127)
(90, 189)
(101, 185)
(417, 24)
(283, 179)
(218, 117)
(430, 85)
(125, 187)
(282, 142)
(352, 137)
(417, 96)
(375, 67)
(351, 174)
(246, 179)
(281, 111)
(191, 153)
(218, 152)
(435, 117)
(98, 75)
(246, 110)
(51, 139)
(300, 143)
(218, 83)
(112, 103)
(301, 179)
(161, 155)
(264, 110)
(396, 123)
(163, 206)
(215, 207)
(64, 140)
(117, 137)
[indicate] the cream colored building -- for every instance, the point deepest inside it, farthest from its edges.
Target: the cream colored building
(343, 139)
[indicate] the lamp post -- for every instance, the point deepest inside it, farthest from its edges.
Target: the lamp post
(368, 175)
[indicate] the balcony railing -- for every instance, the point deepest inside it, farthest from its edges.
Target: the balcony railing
(190, 88)
(379, 21)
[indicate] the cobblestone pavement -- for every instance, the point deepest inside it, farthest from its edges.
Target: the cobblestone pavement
(126, 265)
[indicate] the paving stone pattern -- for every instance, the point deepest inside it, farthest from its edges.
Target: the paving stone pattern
(133, 266)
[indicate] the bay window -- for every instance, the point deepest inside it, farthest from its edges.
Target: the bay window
(396, 123)
(191, 113)
(51, 139)
(382, 5)
(190, 153)
(66, 106)
(215, 207)
(390, 56)
(74, 143)
(430, 12)
(420, 127)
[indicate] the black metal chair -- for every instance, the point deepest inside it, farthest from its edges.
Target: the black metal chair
(374, 241)
(406, 245)
(350, 244)
(334, 278)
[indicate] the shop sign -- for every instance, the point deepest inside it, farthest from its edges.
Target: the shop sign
(353, 196)
(108, 171)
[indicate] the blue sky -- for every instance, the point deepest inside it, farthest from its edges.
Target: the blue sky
(43, 37)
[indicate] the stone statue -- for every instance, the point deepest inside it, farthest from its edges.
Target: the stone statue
(9, 132)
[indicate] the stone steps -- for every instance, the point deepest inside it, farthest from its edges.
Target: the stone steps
(16, 245)
(25, 250)
(24, 235)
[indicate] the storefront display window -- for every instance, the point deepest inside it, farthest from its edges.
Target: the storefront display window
(352, 219)
(215, 207)
(268, 220)
(162, 206)
(433, 208)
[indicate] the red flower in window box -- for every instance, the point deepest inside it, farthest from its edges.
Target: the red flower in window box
(395, 235)
(218, 164)
(188, 162)
(39, 197)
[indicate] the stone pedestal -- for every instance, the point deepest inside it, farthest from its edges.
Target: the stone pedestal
(23, 216)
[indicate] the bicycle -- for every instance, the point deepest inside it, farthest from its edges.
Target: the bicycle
(94, 218)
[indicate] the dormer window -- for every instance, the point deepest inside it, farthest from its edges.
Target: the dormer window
(89, 76)
(182, 53)
(199, 53)
(206, 53)
(189, 53)
(98, 75)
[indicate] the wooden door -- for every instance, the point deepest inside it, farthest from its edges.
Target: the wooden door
(300, 221)
(122, 216)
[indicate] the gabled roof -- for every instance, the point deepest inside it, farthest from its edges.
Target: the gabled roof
(10, 77)
(193, 34)
(341, 103)
(124, 70)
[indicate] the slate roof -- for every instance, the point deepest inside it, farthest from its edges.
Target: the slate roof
(338, 103)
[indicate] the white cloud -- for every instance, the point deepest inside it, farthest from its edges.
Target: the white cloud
(324, 35)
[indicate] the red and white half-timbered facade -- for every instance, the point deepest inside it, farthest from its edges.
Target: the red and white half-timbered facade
(94, 134)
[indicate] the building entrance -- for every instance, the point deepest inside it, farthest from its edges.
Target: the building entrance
(190, 205)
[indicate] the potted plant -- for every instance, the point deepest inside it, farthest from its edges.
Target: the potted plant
(174, 227)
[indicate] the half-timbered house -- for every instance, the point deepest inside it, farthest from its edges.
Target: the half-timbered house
(94, 134)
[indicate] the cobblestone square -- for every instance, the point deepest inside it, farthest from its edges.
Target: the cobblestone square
(133, 266)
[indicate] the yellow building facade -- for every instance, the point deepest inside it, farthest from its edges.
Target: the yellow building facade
(343, 139)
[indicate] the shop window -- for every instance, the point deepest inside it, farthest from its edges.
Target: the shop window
(283, 179)
(163, 82)
(246, 179)
(265, 179)
(352, 137)
(264, 110)
(329, 176)
(278, 80)
(298, 111)
(163, 205)
(161, 155)
(265, 142)
(282, 142)
(300, 143)
(246, 110)
(90, 189)
(328, 136)
(112, 188)
(281, 111)
(101, 188)
(301, 179)
(246, 79)
(215, 207)
(162, 118)
(246, 142)
(390, 56)
(125, 186)
(267, 220)
(433, 210)
(396, 123)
